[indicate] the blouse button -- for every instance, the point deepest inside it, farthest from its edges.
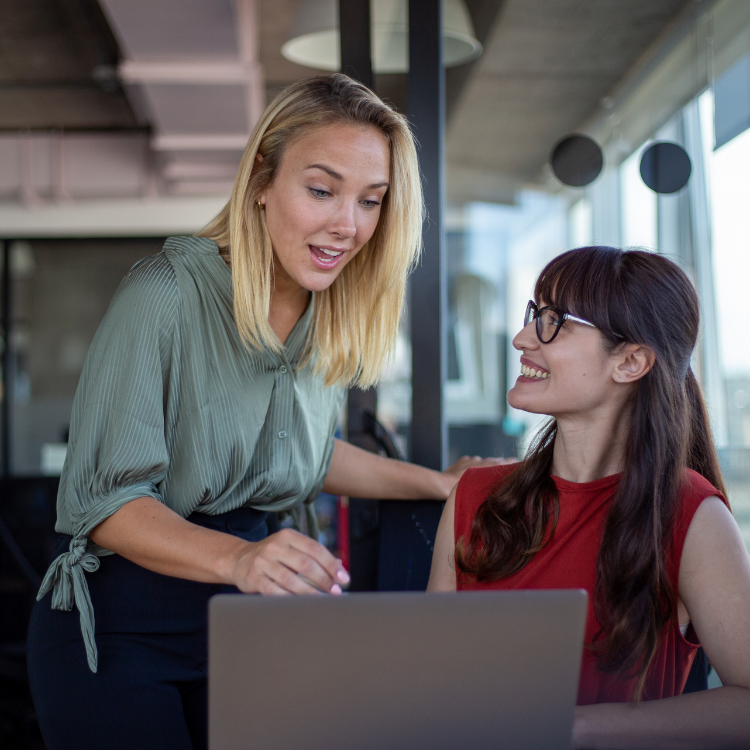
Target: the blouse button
(282, 434)
(282, 369)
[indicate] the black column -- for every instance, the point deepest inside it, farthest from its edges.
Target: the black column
(354, 27)
(408, 529)
(364, 517)
(354, 34)
(426, 109)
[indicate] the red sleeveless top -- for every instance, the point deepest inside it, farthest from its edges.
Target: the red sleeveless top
(569, 562)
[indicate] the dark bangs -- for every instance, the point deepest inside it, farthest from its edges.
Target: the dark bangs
(585, 282)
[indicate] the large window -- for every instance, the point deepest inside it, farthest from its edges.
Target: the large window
(730, 188)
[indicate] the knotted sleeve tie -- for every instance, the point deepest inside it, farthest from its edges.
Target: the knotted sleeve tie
(67, 581)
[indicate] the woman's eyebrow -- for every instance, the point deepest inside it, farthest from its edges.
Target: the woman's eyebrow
(327, 170)
(336, 176)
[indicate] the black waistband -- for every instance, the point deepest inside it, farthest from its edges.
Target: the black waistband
(247, 523)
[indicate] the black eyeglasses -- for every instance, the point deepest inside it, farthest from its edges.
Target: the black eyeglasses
(549, 321)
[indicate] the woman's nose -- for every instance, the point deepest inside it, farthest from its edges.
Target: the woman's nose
(343, 223)
(526, 338)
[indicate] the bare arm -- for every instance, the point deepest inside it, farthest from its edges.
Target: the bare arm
(151, 535)
(714, 586)
(359, 473)
(443, 572)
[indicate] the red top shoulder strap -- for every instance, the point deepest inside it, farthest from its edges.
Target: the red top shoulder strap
(473, 489)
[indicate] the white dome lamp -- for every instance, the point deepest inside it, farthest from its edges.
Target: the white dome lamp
(314, 39)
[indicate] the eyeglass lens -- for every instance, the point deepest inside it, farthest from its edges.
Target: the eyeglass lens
(547, 323)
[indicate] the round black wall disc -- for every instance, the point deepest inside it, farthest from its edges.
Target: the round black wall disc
(665, 167)
(577, 160)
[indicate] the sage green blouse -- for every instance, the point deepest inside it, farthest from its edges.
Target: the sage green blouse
(173, 405)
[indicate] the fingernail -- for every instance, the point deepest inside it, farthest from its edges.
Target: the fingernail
(336, 589)
(343, 576)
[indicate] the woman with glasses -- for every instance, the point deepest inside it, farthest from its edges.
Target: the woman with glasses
(620, 494)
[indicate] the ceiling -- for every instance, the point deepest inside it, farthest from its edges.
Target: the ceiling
(58, 67)
(546, 67)
(187, 79)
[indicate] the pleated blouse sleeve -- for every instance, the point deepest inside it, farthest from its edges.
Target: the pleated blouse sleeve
(117, 450)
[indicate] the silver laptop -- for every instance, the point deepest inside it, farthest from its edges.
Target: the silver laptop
(389, 671)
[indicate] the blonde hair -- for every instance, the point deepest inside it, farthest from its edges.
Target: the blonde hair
(355, 320)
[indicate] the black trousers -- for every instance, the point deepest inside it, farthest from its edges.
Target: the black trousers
(150, 688)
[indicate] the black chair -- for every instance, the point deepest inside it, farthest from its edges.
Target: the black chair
(407, 541)
(698, 676)
(391, 542)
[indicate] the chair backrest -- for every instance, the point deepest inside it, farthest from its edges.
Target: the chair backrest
(398, 536)
(698, 676)
(407, 541)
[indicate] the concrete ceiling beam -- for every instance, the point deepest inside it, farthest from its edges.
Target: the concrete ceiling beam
(208, 72)
(210, 142)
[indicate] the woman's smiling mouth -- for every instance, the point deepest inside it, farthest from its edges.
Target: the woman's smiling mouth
(532, 371)
(325, 257)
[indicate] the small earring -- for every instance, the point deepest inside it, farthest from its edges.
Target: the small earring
(261, 207)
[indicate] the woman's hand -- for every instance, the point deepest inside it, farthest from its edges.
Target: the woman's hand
(288, 562)
(151, 535)
(453, 473)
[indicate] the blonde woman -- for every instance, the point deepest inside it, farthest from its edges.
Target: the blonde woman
(209, 398)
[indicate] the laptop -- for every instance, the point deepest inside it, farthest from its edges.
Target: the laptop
(400, 670)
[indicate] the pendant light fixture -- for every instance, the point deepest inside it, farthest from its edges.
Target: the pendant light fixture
(314, 40)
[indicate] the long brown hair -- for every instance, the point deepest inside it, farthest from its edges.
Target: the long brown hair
(632, 297)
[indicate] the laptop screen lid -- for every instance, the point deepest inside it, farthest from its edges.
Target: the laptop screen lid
(398, 670)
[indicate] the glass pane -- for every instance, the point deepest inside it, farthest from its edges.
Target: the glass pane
(394, 388)
(497, 250)
(60, 292)
(639, 223)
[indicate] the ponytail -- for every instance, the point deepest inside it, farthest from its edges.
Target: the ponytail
(702, 452)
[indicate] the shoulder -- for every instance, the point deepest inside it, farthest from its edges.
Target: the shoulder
(696, 486)
(147, 300)
(151, 276)
(482, 480)
(473, 489)
(186, 251)
(165, 272)
(694, 490)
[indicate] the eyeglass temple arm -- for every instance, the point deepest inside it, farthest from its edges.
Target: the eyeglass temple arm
(578, 320)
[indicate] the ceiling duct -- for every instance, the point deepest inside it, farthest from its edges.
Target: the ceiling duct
(191, 71)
